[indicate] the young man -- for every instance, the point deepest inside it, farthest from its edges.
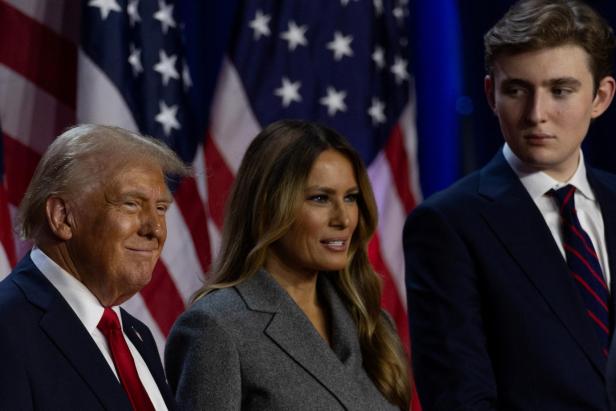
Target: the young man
(508, 270)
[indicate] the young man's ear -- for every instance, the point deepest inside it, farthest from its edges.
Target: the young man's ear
(58, 218)
(603, 96)
(488, 88)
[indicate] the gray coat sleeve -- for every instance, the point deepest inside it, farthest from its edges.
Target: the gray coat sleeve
(202, 364)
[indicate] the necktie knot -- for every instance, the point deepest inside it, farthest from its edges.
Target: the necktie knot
(109, 322)
(564, 197)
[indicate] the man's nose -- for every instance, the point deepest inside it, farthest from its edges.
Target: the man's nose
(152, 224)
(536, 109)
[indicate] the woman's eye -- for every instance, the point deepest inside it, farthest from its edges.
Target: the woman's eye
(319, 198)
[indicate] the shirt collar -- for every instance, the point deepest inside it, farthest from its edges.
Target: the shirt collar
(85, 304)
(537, 183)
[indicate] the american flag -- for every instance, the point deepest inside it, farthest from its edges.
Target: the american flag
(344, 63)
(7, 246)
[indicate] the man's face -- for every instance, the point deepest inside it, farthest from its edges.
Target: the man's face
(118, 232)
(544, 101)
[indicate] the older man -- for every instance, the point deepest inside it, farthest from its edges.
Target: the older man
(95, 210)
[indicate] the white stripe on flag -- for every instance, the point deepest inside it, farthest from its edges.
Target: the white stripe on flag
(180, 256)
(391, 220)
(93, 87)
(199, 171)
(408, 125)
(5, 266)
(233, 125)
(29, 114)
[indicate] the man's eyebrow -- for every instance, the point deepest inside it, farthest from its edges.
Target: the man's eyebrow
(559, 81)
(166, 197)
(565, 81)
(515, 82)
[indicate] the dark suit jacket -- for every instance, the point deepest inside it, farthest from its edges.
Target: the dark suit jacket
(496, 321)
(48, 361)
(251, 347)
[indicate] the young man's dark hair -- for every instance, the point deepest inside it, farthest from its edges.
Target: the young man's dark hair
(537, 24)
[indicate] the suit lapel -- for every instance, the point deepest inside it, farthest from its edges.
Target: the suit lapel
(62, 326)
(142, 340)
(606, 196)
(516, 221)
(291, 330)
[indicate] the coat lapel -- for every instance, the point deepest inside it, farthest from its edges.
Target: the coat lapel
(604, 189)
(62, 326)
(516, 221)
(291, 330)
(142, 340)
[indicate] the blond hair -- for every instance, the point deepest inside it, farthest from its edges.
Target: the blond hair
(75, 161)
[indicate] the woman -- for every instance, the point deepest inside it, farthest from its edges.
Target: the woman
(290, 318)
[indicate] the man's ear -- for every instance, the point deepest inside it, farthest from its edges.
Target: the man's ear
(604, 96)
(59, 218)
(488, 88)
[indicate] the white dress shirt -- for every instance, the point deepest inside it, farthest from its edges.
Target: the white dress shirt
(538, 184)
(89, 311)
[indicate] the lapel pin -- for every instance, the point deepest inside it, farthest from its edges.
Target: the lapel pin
(137, 334)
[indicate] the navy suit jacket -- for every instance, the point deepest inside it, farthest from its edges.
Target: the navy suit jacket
(48, 361)
(496, 320)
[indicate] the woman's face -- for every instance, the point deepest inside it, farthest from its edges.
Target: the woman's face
(320, 237)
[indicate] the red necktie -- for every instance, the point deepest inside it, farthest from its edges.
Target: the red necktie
(584, 266)
(123, 360)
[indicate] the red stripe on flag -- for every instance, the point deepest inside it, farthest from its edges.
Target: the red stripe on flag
(219, 180)
(19, 164)
(162, 298)
(6, 233)
(391, 302)
(191, 207)
(399, 163)
(39, 54)
(390, 298)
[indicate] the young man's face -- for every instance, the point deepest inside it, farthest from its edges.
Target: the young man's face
(544, 101)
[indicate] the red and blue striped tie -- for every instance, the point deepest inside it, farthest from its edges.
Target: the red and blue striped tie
(584, 266)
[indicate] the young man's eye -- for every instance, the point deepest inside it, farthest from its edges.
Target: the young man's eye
(514, 91)
(561, 91)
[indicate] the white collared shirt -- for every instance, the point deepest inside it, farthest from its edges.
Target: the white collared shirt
(89, 311)
(538, 184)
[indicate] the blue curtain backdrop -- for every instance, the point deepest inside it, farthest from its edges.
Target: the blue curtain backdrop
(457, 132)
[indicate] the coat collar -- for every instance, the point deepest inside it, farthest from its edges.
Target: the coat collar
(291, 330)
(515, 219)
(141, 338)
(63, 327)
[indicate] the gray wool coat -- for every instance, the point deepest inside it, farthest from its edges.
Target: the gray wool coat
(251, 347)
